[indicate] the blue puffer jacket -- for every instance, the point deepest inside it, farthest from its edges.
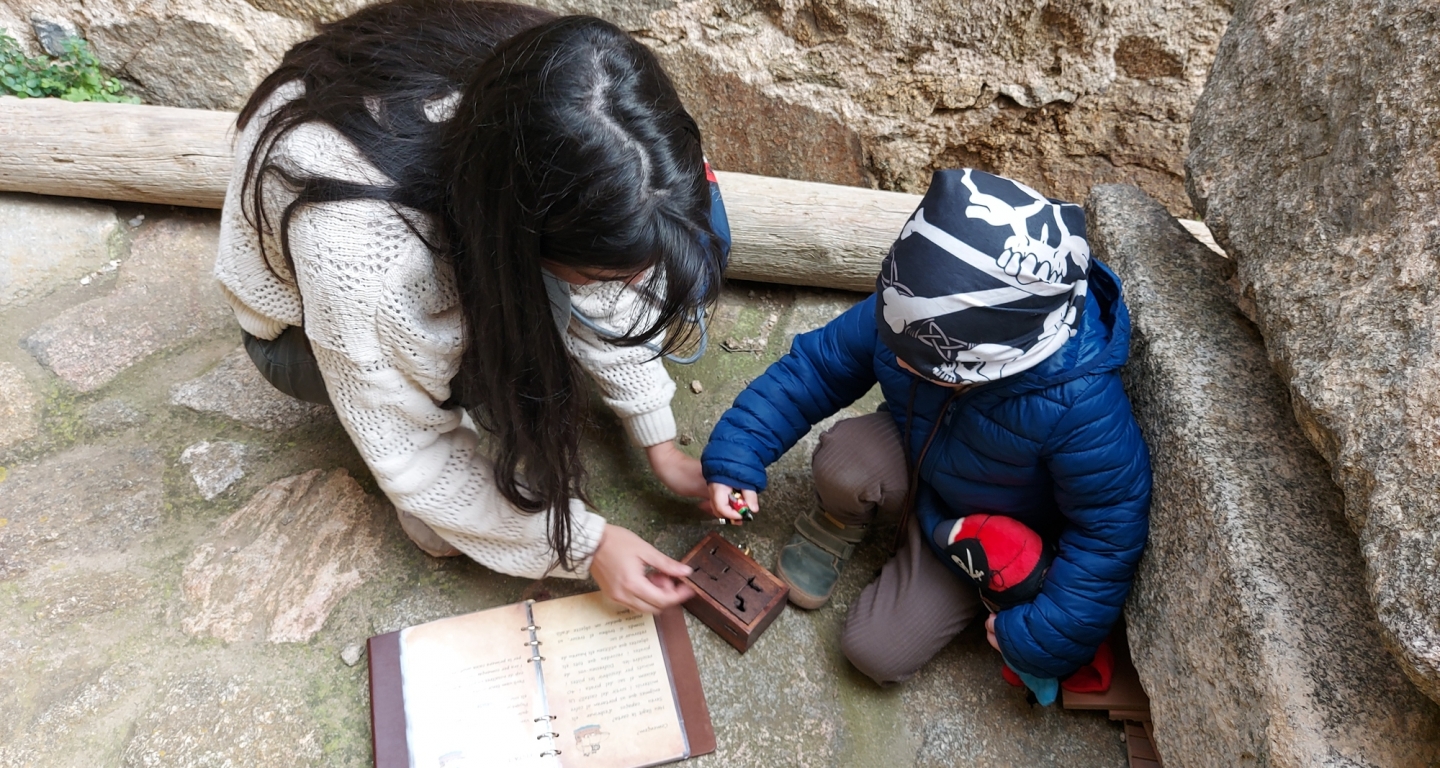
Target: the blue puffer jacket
(1055, 447)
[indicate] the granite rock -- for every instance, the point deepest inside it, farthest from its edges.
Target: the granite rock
(278, 566)
(19, 407)
(1061, 94)
(200, 720)
(816, 308)
(163, 298)
(52, 35)
(1314, 156)
(236, 390)
(800, 141)
(91, 501)
(628, 14)
(73, 723)
(310, 10)
(215, 466)
(49, 242)
(959, 717)
(113, 413)
(1248, 621)
(352, 654)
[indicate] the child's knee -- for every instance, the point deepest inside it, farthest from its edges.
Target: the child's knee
(858, 458)
(874, 653)
(837, 447)
(877, 661)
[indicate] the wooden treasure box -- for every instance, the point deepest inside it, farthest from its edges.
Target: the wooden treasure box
(734, 595)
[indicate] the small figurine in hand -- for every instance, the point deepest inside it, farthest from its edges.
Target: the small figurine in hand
(737, 503)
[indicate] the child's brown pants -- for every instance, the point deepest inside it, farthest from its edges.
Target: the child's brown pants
(916, 605)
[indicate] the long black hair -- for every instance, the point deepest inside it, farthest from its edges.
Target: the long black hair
(568, 146)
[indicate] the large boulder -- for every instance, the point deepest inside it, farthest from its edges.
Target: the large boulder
(1062, 94)
(1314, 157)
(1248, 623)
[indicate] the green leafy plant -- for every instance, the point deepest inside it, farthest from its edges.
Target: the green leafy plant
(76, 75)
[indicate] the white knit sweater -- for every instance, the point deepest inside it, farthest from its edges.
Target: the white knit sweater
(383, 318)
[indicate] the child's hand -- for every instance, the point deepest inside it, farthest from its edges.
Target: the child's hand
(990, 632)
(720, 501)
(679, 471)
(637, 575)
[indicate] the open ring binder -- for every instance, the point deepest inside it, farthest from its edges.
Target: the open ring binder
(544, 715)
(560, 705)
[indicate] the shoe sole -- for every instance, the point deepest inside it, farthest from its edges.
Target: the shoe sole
(797, 597)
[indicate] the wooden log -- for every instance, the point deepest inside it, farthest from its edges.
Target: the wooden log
(785, 231)
(115, 151)
(807, 233)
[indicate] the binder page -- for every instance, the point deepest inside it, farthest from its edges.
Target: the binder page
(608, 683)
(470, 694)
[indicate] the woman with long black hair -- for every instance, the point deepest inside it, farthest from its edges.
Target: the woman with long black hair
(442, 212)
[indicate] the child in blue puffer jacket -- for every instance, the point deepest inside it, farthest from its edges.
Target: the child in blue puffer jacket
(997, 342)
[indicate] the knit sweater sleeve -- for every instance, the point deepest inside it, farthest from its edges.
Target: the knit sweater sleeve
(632, 380)
(382, 316)
(254, 276)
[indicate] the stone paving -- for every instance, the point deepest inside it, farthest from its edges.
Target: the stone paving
(190, 565)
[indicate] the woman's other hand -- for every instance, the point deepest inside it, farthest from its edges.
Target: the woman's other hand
(637, 575)
(720, 501)
(679, 471)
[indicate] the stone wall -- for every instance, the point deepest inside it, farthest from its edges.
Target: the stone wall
(1064, 94)
(188, 53)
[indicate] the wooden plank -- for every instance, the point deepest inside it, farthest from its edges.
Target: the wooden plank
(1140, 746)
(785, 231)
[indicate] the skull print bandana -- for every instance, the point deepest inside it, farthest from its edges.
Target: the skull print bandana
(987, 279)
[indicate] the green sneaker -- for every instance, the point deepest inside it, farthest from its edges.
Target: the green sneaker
(810, 563)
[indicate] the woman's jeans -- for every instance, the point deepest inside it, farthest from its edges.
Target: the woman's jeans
(288, 363)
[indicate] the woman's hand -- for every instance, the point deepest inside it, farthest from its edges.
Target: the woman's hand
(637, 575)
(990, 632)
(679, 471)
(720, 501)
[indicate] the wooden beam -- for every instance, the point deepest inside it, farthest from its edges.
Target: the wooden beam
(785, 231)
(128, 152)
(807, 233)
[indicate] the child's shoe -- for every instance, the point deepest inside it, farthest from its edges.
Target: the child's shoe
(810, 563)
